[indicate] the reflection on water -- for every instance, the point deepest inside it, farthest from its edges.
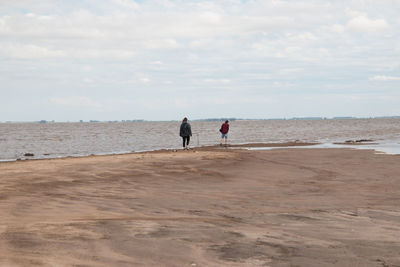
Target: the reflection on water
(76, 139)
(391, 148)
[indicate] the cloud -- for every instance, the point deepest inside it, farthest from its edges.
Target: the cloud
(88, 80)
(364, 24)
(238, 50)
(360, 22)
(144, 80)
(76, 102)
(156, 44)
(29, 51)
(289, 71)
(126, 4)
(384, 78)
(99, 53)
(32, 51)
(217, 81)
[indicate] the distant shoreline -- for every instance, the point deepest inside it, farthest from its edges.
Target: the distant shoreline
(208, 120)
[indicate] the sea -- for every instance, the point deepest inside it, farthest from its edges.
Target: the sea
(21, 141)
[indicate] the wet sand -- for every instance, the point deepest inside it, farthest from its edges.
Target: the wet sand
(208, 207)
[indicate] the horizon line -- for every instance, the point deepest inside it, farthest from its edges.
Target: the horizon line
(211, 119)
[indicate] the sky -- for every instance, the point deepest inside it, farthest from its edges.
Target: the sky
(167, 59)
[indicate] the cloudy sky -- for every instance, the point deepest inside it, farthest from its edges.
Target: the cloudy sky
(165, 59)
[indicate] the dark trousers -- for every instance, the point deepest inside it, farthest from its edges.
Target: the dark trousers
(186, 139)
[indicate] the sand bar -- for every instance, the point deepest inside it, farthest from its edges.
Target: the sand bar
(207, 207)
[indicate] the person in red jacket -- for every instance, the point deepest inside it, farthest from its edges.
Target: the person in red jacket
(224, 133)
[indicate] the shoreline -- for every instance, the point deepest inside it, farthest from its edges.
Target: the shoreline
(371, 145)
(283, 144)
(207, 207)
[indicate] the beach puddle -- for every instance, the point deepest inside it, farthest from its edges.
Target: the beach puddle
(390, 148)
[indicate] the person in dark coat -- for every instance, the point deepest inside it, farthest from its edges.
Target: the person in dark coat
(224, 132)
(185, 132)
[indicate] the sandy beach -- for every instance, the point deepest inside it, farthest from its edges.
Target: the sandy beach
(205, 207)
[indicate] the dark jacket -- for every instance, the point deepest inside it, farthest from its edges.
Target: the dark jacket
(185, 130)
(225, 128)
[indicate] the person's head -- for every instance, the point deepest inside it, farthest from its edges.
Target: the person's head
(185, 119)
(226, 121)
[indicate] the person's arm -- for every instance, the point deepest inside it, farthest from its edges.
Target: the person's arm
(190, 129)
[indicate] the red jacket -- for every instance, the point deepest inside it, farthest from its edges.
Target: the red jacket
(225, 128)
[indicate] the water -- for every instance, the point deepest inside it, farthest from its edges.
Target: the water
(54, 140)
(392, 148)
